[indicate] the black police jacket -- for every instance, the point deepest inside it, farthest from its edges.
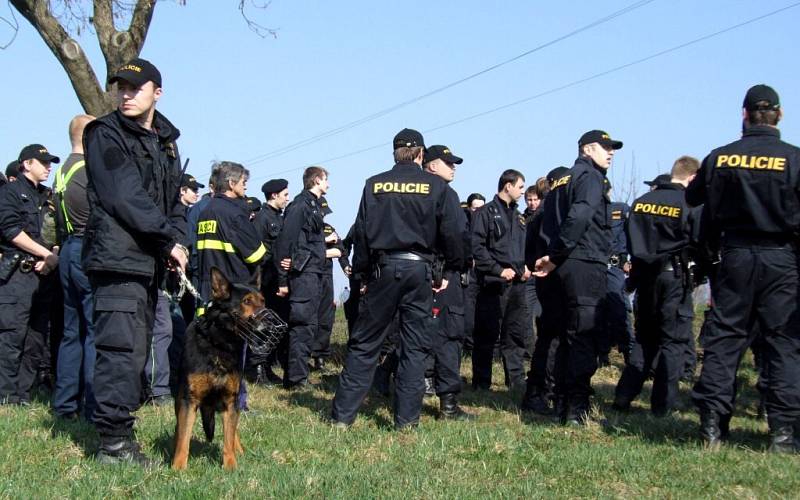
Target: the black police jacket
(661, 224)
(269, 223)
(553, 210)
(227, 240)
(301, 238)
(584, 232)
(463, 227)
(406, 210)
(498, 238)
(617, 215)
(751, 185)
(328, 230)
(21, 209)
(133, 190)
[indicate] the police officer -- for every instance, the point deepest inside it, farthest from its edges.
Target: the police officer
(226, 239)
(135, 224)
(750, 188)
(12, 171)
(26, 259)
(618, 307)
(662, 231)
(303, 243)
(269, 223)
(447, 325)
(498, 249)
(474, 202)
(75, 367)
(403, 214)
(334, 249)
(544, 383)
(580, 254)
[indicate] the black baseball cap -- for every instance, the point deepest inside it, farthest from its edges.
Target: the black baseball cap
(274, 186)
(38, 152)
(761, 94)
(12, 170)
(557, 173)
(599, 137)
(138, 72)
(441, 152)
(190, 182)
(659, 180)
(408, 138)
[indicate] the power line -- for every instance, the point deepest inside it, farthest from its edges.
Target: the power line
(562, 87)
(386, 111)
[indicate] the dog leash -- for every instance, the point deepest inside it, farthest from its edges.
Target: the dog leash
(185, 285)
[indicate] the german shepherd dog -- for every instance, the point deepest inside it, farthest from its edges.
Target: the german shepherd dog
(211, 370)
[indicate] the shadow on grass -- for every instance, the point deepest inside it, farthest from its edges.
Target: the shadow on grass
(318, 398)
(164, 446)
(680, 426)
(79, 431)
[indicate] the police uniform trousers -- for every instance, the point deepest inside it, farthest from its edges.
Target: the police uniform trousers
(618, 308)
(402, 286)
(585, 288)
(124, 312)
(664, 313)
(157, 366)
(305, 295)
(534, 310)
(756, 285)
(326, 313)
(76, 354)
(351, 304)
(448, 336)
(470, 297)
(280, 306)
(24, 308)
(551, 328)
(500, 312)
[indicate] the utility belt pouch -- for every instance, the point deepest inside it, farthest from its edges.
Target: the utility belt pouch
(8, 264)
(300, 260)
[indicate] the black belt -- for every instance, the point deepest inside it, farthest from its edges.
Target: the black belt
(404, 256)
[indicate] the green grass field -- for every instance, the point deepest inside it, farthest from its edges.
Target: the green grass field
(290, 451)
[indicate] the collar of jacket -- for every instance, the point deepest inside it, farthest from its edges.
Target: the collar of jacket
(671, 185)
(755, 130)
(503, 204)
(407, 164)
(40, 188)
(590, 163)
(237, 202)
(164, 129)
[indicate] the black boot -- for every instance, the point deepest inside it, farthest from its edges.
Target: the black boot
(781, 438)
(449, 409)
(122, 450)
(577, 412)
(710, 431)
(535, 401)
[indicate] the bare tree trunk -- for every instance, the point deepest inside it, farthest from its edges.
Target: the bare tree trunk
(117, 46)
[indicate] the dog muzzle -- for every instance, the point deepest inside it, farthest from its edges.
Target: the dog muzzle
(262, 331)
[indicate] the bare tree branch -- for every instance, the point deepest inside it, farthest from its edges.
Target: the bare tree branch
(255, 27)
(69, 53)
(14, 26)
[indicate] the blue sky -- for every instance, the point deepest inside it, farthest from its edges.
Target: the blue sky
(236, 96)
